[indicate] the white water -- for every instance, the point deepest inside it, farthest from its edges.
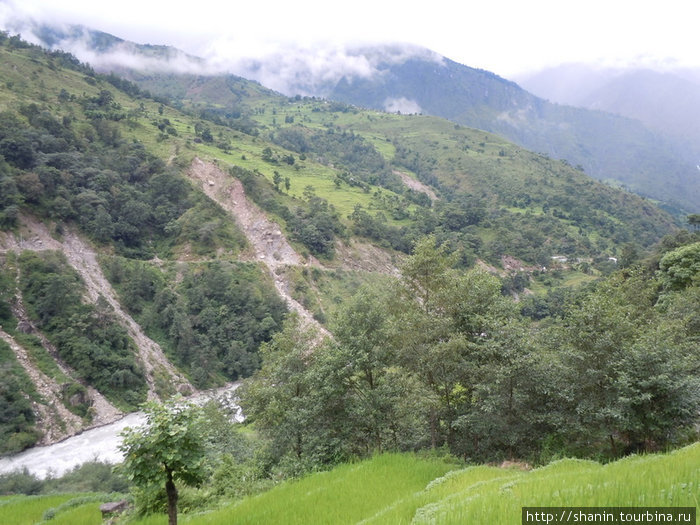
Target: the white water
(97, 444)
(92, 445)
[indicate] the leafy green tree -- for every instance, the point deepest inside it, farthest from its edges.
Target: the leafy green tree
(170, 447)
(385, 403)
(660, 387)
(207, 136)
(632, 372)
(597, 336)
(277, 180)
(446, 321)
(629, 255)
(694, 220)
(680, 268)
(267, 155)
(316, 225)
(425, 273)
(277, 397)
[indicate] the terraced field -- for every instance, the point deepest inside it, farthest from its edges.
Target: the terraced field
(396, 489)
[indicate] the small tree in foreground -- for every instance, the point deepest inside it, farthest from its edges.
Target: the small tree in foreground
(169, 447)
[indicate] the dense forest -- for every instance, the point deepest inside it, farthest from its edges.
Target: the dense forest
(441, 358)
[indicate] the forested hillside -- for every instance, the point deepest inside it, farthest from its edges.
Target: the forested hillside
(608, 146)
(622, 151)
(135, 263)
(486, 185)
(378, 282)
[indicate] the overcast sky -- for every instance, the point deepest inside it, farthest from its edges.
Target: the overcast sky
(507, 37)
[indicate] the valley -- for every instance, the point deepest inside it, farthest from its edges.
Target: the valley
(392, 293)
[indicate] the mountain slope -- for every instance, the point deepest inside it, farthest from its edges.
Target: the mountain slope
(415, 80)
(667, 101)
(97, 180)
(608, 147)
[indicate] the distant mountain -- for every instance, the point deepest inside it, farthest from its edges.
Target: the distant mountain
(617, 149)
(107, 52)
(667, 101)
(606, 146)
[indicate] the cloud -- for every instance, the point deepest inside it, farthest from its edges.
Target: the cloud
(292, 70)
(289, 67)
(124, 55)
(312, 69)
(401, 105)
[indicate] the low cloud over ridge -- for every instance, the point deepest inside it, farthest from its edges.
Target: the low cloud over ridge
(287, 67)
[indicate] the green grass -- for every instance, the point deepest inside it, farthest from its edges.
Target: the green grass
(56, 509)
(27, 510)
(574, 278)
(87, 514)
(653, 480)
(348, 494)
(396, 489)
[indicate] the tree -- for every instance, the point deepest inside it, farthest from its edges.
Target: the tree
(680, 268)
(277, 179)
(170, 447)
(694, 220)
(277, 397)
(444, 319)
(385, 403)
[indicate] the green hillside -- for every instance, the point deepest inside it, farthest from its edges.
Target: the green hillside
(401, 488)
(615, 149)
(396, 489)
(609, 147)
(101, 178)
(379, 283)
(489, 188)
(494, 199)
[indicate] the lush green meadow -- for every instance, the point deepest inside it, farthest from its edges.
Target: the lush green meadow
(636, 481)
(400, 488)
(27, 510)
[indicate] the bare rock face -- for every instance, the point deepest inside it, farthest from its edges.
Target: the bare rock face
(25, 327)
(76, 398)
(185, 389)
(54, 414)
(269, 245)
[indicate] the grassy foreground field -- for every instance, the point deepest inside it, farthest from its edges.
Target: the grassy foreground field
(396, 489)
(403, 488)
(68, 509)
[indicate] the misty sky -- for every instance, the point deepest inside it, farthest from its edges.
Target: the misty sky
(507, 37)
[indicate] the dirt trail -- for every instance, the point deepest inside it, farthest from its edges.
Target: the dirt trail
(269, 243)
(82, 258)
(54, 412)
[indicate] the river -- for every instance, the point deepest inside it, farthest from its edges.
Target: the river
(97, 444)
